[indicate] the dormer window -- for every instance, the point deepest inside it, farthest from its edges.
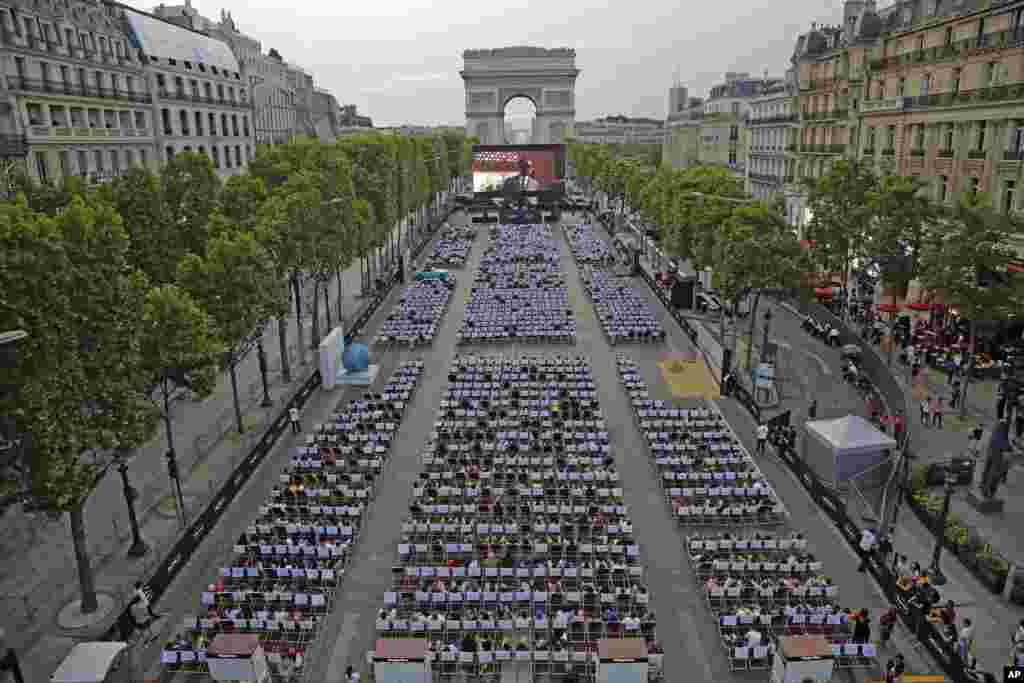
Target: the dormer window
(202, 67)
(214, 69)
(172, 62)
(188, 65)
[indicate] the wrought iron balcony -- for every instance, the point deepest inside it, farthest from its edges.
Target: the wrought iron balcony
(945, 154)
(976, 154)
(917, 152)
(75, 90)
(180, 96)
(13, 146)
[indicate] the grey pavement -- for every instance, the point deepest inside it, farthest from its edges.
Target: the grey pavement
(994, 619)
(38, 576)
(685, 627)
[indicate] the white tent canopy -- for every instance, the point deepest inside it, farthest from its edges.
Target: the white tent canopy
(855, 444)
(850, 435)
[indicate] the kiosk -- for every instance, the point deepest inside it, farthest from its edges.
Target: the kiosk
(798, 658)
(401, 660)
(622, 660)
(236, 657)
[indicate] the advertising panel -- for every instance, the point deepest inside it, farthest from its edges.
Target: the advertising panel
(165, 40)
(526, 168)
(331, 350)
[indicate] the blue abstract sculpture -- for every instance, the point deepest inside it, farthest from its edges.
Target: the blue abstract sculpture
(356, 358)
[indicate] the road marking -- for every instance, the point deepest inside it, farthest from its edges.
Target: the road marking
(822, 363)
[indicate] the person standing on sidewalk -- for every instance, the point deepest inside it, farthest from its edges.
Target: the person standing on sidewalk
(926, 410)
(812, 410)
(293, 417)
(886, 623)
(141, 598)
(954, 401)
(937, 412)
(868, 542)
(762, 437)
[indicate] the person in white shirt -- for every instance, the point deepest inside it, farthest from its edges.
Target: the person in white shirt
(293, 416)
(762, 437)
(833, 337)
(753, 637)
(142, 600)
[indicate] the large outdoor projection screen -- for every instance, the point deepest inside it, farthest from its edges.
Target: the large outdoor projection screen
(526, 168)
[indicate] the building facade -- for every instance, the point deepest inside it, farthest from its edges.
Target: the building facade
(78, 100)
(621, 130)
(326, 116)
(351, 118)
(681, 148)
(922, 88)
(273, 83)
(200, 107)
(774, 125)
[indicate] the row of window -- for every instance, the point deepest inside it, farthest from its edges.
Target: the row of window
(60, 116)
(186, 129)
(207, 89)
(947, 136)
(54, 76)
(69, 37)
(96, 164)
(216, 153)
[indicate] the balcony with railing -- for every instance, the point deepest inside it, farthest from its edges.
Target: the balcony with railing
(945, 154)
(917, 152)
(993, 94)
(182, 96)
(976, 154)
(765, 178)
(75, 90)
(777, 118)
(824, 149)
(881, 105)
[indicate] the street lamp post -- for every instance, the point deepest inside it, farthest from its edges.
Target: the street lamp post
(262, 357)
(935, 574)
(139, 547)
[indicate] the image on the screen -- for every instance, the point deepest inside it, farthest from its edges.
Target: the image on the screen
(525, 170)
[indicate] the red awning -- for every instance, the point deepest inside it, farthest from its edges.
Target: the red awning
(888, 308)
(807, 244)
(920, 307)
(824, 292)
(1015, 268)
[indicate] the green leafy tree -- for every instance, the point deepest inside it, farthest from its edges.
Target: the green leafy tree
(241, 199)
(181, 352)
(288, 222)
(191, 191)
(138, 198)
(967, 260)
(236, 284)
(80, 380)
(759, 252)
(844, 213)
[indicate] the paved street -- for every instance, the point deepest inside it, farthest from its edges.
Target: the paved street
(38, 576)
(685, 627)
(994, 619)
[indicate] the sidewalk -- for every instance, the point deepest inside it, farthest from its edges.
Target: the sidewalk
(994, 619)
(38, 575)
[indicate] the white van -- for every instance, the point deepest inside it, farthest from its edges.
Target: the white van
(98, 662)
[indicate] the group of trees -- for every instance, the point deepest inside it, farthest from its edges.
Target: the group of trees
(700, 214)
(142, 290)
(861, 219)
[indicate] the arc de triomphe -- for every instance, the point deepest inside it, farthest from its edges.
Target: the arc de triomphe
(547, 77)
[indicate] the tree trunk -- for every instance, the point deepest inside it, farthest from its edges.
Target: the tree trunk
(282, 339)
(232, 367)
(750, 346)
(341, 308)
(314, 338)
(297, 293)
(86, 579)
(968, 372)
(327, 305)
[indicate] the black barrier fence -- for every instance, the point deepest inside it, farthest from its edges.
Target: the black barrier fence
(200, 528)
(910, 605)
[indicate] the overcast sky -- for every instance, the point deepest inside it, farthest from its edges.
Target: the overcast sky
(399, 60)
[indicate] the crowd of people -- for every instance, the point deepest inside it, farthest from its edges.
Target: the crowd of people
(289, 563)
(420, 309)
(452, 248)
(519, 293)
(623, 313)
(518, 539)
